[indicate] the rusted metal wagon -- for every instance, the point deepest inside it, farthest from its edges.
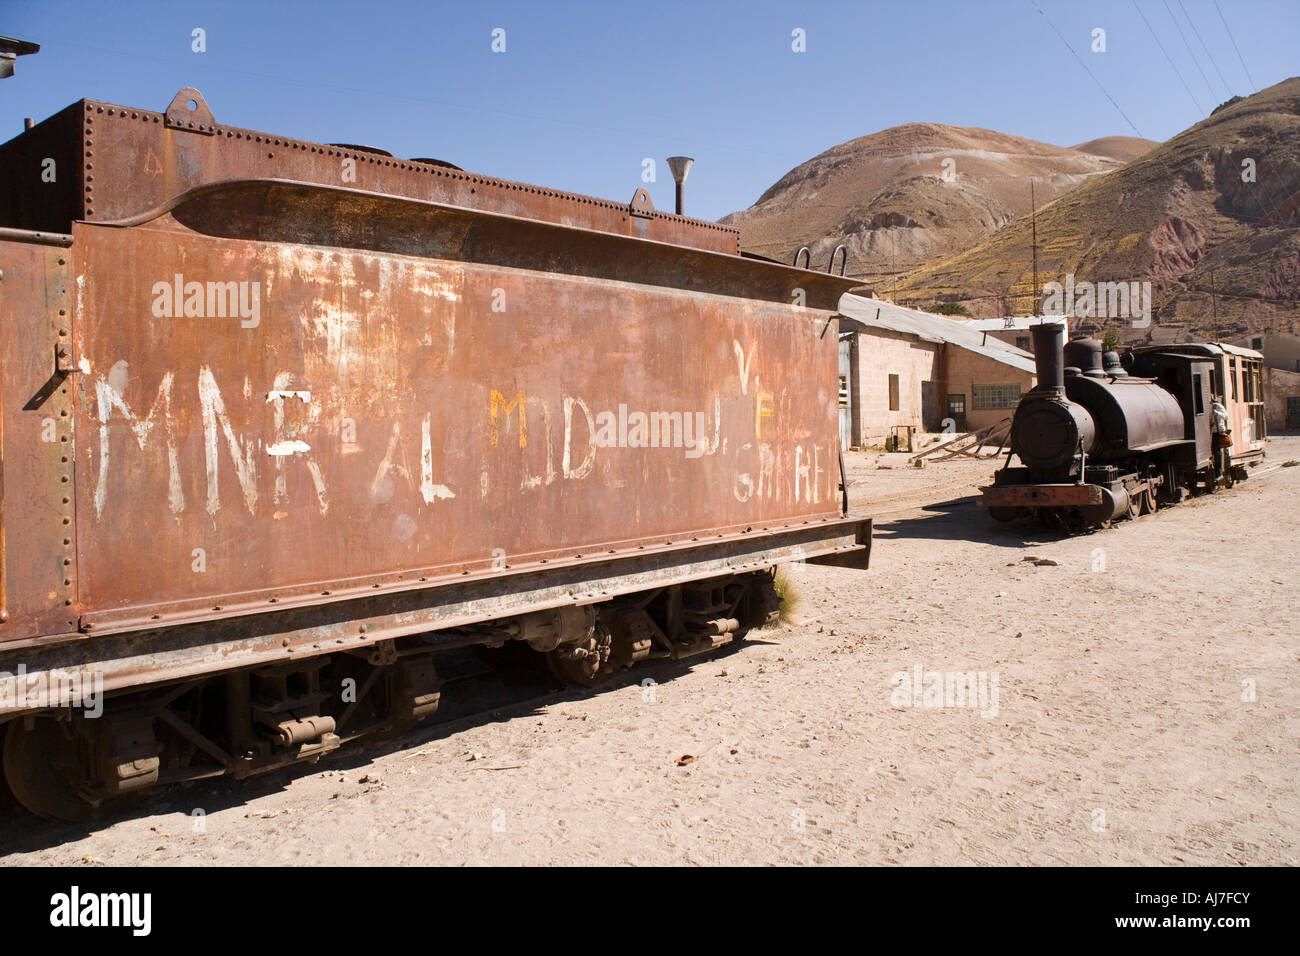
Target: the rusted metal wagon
(280, 419)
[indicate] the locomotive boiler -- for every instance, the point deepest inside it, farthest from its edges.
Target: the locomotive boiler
(281, 419)
(1098, 439)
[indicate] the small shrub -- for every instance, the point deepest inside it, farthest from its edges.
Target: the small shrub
(788, 592)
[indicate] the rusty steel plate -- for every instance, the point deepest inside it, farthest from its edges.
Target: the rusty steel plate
(1041, 496)
(368, 419)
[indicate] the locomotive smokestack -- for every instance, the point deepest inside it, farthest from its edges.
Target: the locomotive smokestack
(1049, 355)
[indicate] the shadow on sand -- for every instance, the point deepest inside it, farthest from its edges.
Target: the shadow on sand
(514, 685)
(962, 519)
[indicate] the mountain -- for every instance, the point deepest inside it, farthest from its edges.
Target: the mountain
(914, 194)
(1124, 148)
(1209, 218)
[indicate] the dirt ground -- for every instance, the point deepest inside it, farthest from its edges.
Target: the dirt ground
(1147, 711)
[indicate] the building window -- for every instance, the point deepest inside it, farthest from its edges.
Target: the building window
(844, 391)
(1257, 344)
(1022, 342)
(893, 393)
(985, 397)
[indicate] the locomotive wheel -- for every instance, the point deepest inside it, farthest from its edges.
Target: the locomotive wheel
(1135, 506)
(1150, 501)
(1003, 513)
(44, 769)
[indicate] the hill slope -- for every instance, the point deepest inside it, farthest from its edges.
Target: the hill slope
(1183, 216)
(1124, 148)
(910, 194)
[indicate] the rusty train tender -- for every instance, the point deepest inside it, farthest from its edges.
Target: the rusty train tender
(1100, 437)
(281, 419)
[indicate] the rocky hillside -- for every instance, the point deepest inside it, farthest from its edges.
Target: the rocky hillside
(915, 194)
(1209, 218)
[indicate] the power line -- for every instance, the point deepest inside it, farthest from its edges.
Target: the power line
(1195, 62)
(1213, 62)
(1228, 30)
(1172, 65)
(1086, 70)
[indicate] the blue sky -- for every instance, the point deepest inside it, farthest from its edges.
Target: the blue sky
(585, 91)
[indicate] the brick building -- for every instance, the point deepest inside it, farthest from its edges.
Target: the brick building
(902, 367)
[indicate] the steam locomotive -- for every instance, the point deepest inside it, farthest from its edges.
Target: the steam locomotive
(1100, 437)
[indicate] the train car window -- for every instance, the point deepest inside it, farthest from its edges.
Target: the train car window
(1196, 393)
(1233, 372)
(1216, 375)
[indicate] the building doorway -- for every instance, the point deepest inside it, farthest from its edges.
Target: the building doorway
(957, 411)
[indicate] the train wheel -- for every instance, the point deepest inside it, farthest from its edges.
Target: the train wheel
(45, 769)
(1150, 501)
(1135, 505)
(1003, 513)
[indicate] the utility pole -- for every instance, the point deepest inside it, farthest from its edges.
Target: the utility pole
(1033, 242)
(1214, 306)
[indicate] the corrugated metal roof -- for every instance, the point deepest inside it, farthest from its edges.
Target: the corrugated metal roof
(873, 313)
(1239, 350)
(1015, 323)
(1203, 348)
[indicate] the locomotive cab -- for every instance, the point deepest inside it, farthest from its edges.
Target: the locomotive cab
(1189, 380)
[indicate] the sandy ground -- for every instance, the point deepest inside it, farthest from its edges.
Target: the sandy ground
(1147, 712)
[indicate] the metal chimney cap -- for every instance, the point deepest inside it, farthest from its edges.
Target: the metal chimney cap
(680, 165)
